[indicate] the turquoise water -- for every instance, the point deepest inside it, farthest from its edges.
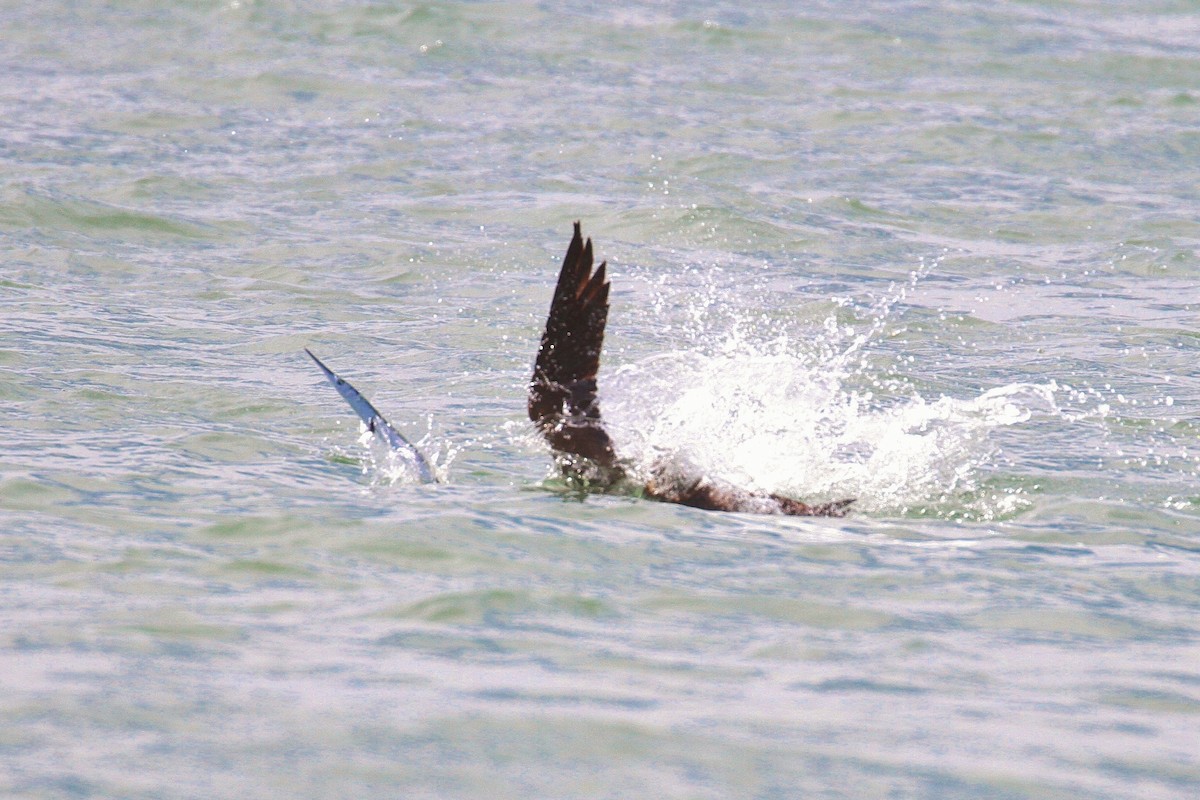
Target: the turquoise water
(939, 257)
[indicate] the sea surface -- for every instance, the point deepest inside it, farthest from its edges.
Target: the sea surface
(940, 257)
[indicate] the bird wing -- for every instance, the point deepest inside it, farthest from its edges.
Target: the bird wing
(562, 391)
(563, 405)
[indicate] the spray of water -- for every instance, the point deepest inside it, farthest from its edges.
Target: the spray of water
(778, 423)
(797, 408)
(384, 466)
(800, 413)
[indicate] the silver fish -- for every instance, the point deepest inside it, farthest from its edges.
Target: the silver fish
(376, 423)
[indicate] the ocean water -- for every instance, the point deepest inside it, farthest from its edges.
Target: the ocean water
(943, 258)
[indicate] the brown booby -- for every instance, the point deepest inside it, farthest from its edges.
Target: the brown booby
(564, 407)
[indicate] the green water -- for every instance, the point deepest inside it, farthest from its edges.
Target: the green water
(939, 257)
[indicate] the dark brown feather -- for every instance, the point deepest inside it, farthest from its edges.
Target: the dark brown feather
(562, 391)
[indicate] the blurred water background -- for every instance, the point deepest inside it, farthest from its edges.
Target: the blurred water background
(941, 257)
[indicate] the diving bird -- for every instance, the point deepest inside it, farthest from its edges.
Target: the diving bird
(563, 405)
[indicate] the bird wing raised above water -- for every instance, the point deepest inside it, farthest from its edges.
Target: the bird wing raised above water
(562, 391)
(563, 404)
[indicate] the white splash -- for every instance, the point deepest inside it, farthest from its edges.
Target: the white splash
(778, 423)
(385, 466)
(805, 416)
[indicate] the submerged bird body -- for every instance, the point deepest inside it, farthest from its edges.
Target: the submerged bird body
(564, 407)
